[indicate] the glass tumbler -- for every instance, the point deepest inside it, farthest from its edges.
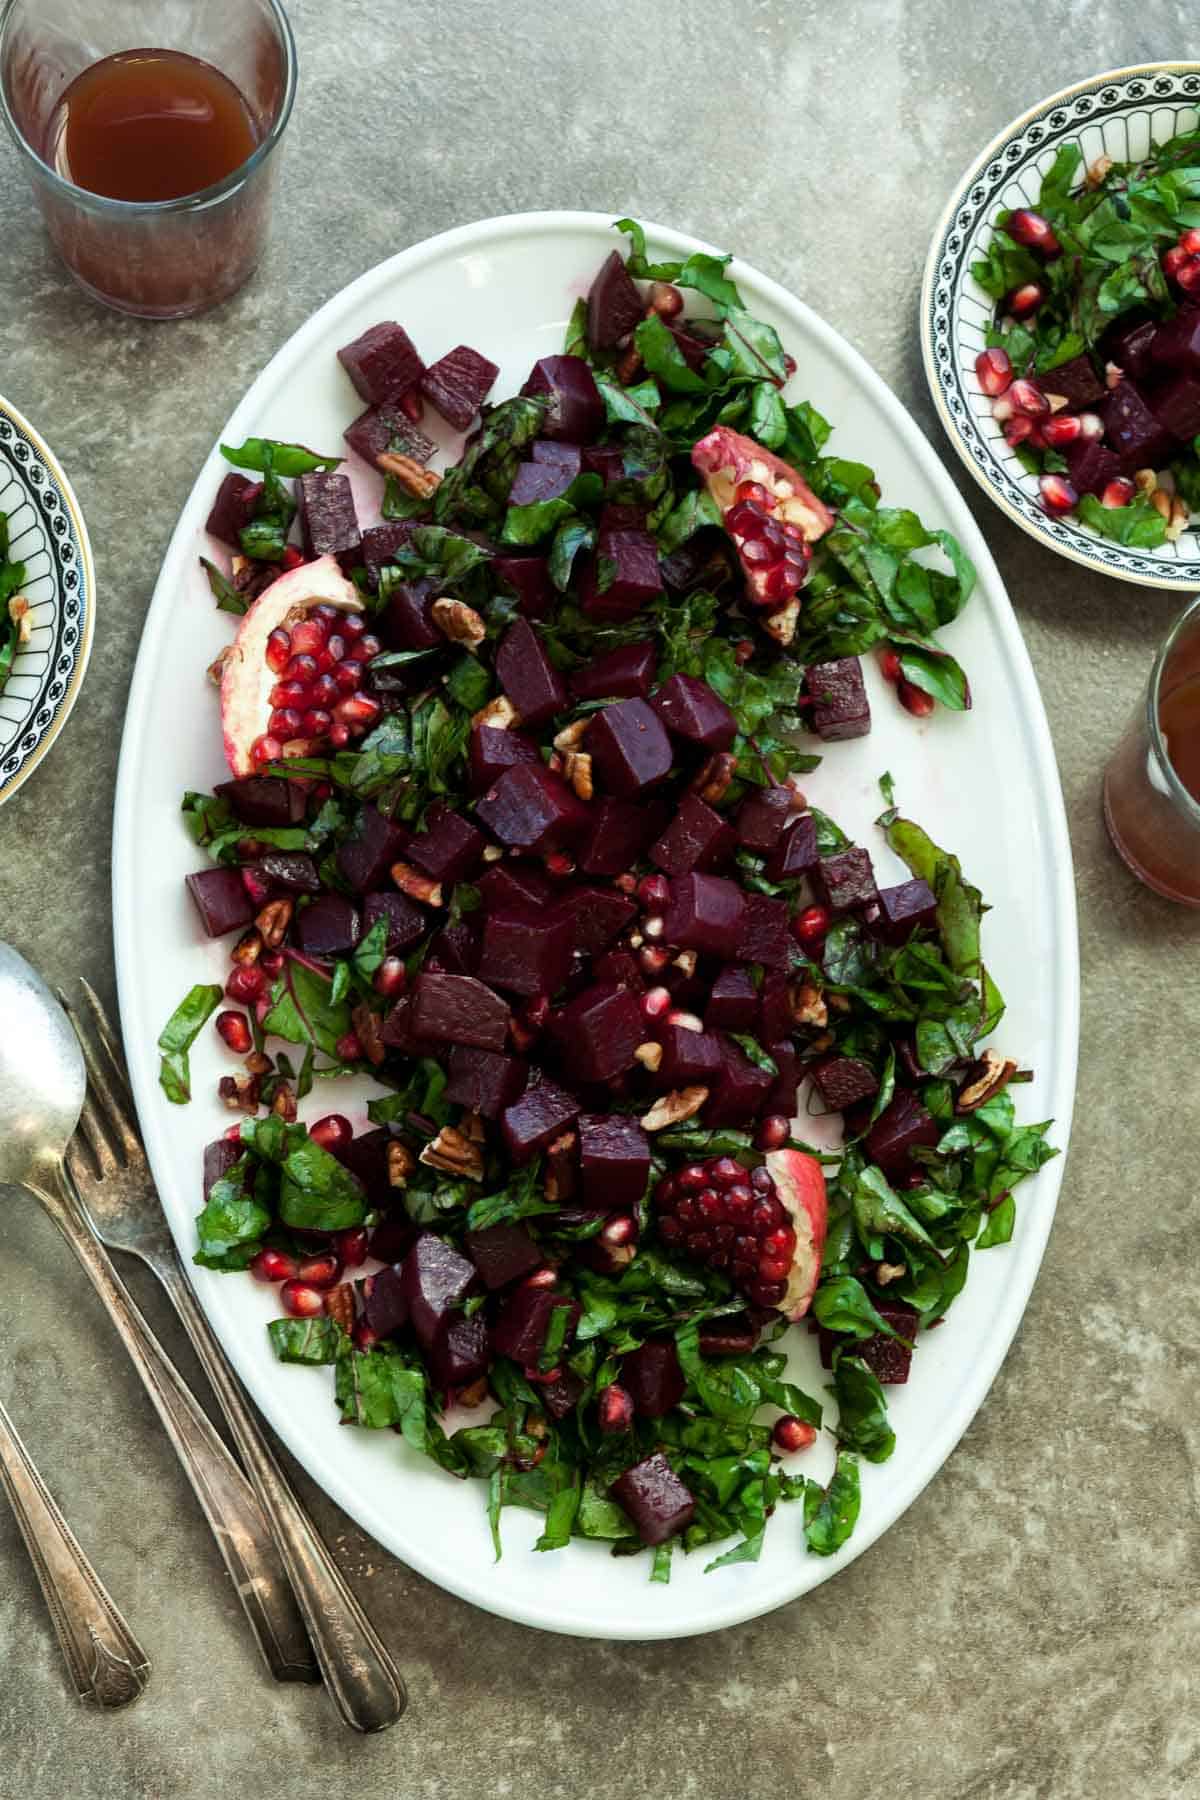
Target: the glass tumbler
(1153, 820)
(164, 259)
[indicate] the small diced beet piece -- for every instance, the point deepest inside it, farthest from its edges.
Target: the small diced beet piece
(597, 916)
(385, 1303)
(619, 831)
(530, 808)
(566, 456)
(366, 1158)
(690, 710)
(290, 870)
(380, 544)
(620, 966)
(453, 951)
(1078, 381)
(740, 1092)
(538, 481)
(1131, 347)
(575, 412)
(654, 1378)
(1177, 406)
(386, 428)
(845, 880)
(398, 1032)
(614, 1161)
(704, 560)
(843, 1080)
(365, 858)
(603, 1028)
(484, 1081)
(775, 1017)
(233, 508)
(1091, 465)
(901, 1128)
(1131, 428)
(220, 1156)
(796, 852)
(406, 923)
(450, 849)
(383, 363)
(705, 913)
(657, 1502)
(524, 1323)
(458, 383)
(541, 1114)
(1176, 345)
(781, 1097)
(508, 884)
(630, 751)
(888, 1360)
(562, 1395)
(527, 675)
(492, 751)
(730, 1334)
(763, 935)
(457, 1009)
(622, 576)
(615, 304)
(462, 1351)
(624, 674)
(327, 516)
(221, 900)
(330, 926)
(435, 1280)
(840, 707)
(501, 1254)
(902, 909)
(407, 620)
(733, 1002)
(762, 817)
(264, 800)
(526, 950)
(696, 838)
(606, 461)
(621, 516)
(391, 1238)
(688, 1057)
(529, 579)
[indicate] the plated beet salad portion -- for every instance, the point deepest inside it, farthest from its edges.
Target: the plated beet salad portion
(514, 826)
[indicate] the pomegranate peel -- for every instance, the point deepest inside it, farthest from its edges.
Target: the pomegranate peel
(771, 514)
(800, 1185)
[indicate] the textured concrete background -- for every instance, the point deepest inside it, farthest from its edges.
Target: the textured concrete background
(1029, 1630)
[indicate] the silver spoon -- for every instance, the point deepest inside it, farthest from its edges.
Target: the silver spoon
(42, 1085)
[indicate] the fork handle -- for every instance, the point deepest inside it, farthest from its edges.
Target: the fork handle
(105, 1660)
(225, 1495)
(363, 1681)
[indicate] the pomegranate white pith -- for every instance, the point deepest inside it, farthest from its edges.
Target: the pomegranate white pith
(800, 1185)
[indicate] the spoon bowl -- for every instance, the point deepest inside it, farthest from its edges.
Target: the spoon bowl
(42, 1076)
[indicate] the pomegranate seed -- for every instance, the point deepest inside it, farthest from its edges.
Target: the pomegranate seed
(1117, 492)
(1002, 410)
(1174, 259)
(541, 1278)
(365, 649)
(271, 963)
(335, 648)
(285, 723)
(615, 1409)
(1019, 430)
(348, 1047)
(339, 736)
(234, 1032)
(353, 625)
(320, 1271)
(292, 557)
(619, 1230)
(289, 693)
(748, 521)
(810, 928)
(259, 890)
(412, 405)
(1091, 426)
(1189, 240)
(1189, 276)
(755, 492)
(653, 959)
(542, 1377)
(323, 692)
(246, 983)
(390, 977)
(994, 370)
(279, 650)
(693, 1178)
(357, 710)
(301, 669)
(767, 1293)
(915, 700)
(889, 664)
(655, 1002)
(790, 1434)
(273, 1265)
(1058, 496)
(1034, 232)
(308, 637)
(301, 1301)
(266, 750)
(1024, 301)
(773, 1132)
(332, 1133)
(351, 1246)
(558, 865)
(654, 892)
(1029, 398)
(1062, 430)
(315, 724)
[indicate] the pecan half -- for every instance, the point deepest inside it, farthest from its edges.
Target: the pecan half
(420, 887)
(413, 476)
(781, 625)
(339, 1304)
(283, 1105)
(273, 922)
(248, 948)
(499, 714)
(240, 1093)
(454, 1154)
(572, 735)
(559, 1181)
(985, 1078)
(400, 1163)
(368, 1028)
(711, 781)
(577, 767)
(807, 1004)
(18, 612)
(650, 1055)
(674, 1108)
(458, 622)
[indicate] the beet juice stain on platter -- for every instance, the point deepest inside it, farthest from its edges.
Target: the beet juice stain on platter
(152, 166)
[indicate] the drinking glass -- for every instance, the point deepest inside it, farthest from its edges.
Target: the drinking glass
(164, 259)
(1153, 820)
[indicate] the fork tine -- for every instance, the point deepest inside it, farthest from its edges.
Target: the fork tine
(108, 1105)
(94, 1133)
(107, 1035)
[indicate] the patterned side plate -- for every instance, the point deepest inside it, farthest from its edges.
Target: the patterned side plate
(47, 534)
(1119, 115)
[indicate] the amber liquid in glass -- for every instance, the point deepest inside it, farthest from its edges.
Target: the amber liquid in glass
(150, 125)
(1179, 721)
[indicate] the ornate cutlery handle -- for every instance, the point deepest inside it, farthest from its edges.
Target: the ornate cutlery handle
(106, 1662)
(362, 1679)
(222, 1490)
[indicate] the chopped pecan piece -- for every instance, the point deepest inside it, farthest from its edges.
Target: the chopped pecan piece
(674, 1108)
(400, 1163)
(572, 735)
(454, 1154)
(498, 715)
(458, 622)
(577, 768)
(273, 922)
(368, 1028)
(650, 1055)
(240, 1093)
(559, 1181)
(985, 1078)
(283, 1104)
(711, 781)
(413, 476)
(339, 1304)
(808, 1005)
(18, 612)
(420, 887)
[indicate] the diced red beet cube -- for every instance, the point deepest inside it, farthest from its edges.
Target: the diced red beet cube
(383, 363)
(903, 909)
(615, 304)
(888, 1360)
(1131, 428)
(435, 1279)
(233, 508)
(501, 1254)
(845, 880)
(623, 674)
(620, 966)
(511, 883)
(614, 1161)
(219, 1158)
(450, 849)
(781, 1097)
(1176, 344)
(290, 870)
(763, 934)
(264, 800)
(385, 1302)
(458, 383)
(705, 913)
(702, 561)
(1091, 465)
(549, 450)
(458, 1009)
(484, 1081)
(386, 428)
(530, 808)
(689, 1057)
(658, 1504)
(654, 1378)
(622, 576)
(562, 1395)
(841, 1081)
(524, 1324)
(398, 1032)
(1130, 346)
(527, 675)
(575, 412)
(901, 1128)
(762, 817)
(365, 858)
(327, 516)
(406, 923)
(221, 899)
(691, 711)
(1077, 381)
(796, 852)
(730, 1334)
(453, 951)
(597, 916)
(407, 620)
(462, 1351)
(525, 950)
(391, 1237)
(543, 1113)
(330, 926)
(492, 751)
(619, 831)
(529, 579)
(535, 482)
(602, 1028)
(696, 838)
(840, 707)
(775, 1020)
(1177, 406)
(630, 751)
(605, 460)
(379, 546)
(740, 1092)
(733, 1002)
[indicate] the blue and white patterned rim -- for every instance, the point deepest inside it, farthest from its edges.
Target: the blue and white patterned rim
(1119, 115)
(47, 534)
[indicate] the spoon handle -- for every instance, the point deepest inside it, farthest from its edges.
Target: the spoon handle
(105, 1660)
(259, 1578)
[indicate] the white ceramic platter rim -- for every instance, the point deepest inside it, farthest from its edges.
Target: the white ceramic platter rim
(954, 310)
(148, 906)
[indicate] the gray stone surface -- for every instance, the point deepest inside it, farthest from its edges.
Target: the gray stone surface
(1029, 1630)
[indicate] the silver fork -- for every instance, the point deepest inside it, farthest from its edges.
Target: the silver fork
(107, 1161)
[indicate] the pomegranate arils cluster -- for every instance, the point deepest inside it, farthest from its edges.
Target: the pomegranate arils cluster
(730, 1218)
(317, 698)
